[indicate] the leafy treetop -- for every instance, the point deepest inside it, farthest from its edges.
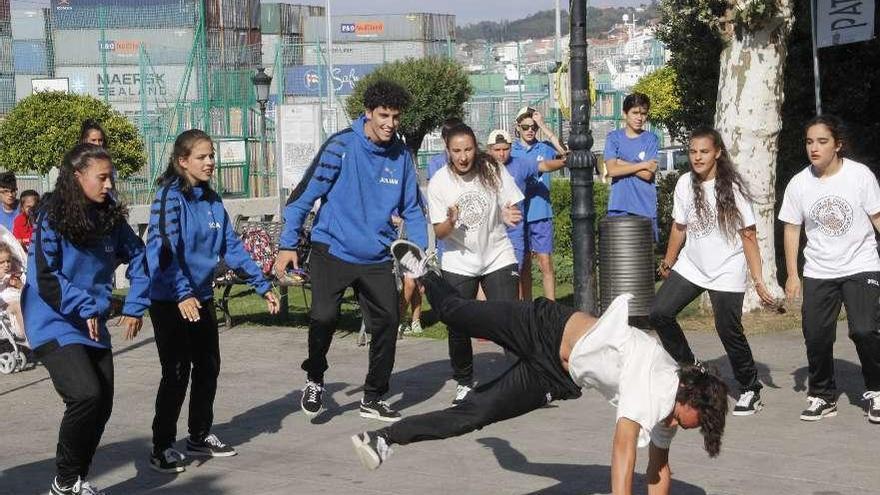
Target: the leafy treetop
(41, 128)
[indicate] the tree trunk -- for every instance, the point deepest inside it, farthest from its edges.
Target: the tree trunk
(749, 116)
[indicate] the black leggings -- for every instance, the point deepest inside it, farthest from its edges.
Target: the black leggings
(185, 348)
(530, 330)
(83, 377)
(500, 285)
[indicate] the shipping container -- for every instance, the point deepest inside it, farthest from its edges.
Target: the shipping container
(291, 46)
(284, 18)
(28, 24)
(401, 27)
(7, 93)
(123, 14)
(308, 80)
(23, 87)
(375, 52)
(30, 57)
(122, 46)
(232, 14)
(128, 84)
(234, 49)
(6, 56)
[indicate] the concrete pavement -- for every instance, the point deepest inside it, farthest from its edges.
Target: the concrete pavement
(564, 449)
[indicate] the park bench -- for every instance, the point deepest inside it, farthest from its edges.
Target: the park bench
(228, 279)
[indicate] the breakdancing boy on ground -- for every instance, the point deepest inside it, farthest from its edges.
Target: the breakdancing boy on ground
(560, 351)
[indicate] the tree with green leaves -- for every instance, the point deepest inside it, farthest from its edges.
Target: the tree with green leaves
(660, 86)
(749, 96)
(439, 89)
(41, 128)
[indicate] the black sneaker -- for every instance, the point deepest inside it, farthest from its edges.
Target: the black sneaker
(749, 403)
(168, 461)
(461, 394)
(80, 487)
(312, 398)
(819, 408)
(378, 409)
(371, 448)
(873, 408)
(210, 446)
(411, 260)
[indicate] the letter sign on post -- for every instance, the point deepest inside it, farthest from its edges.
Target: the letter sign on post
(839, 22)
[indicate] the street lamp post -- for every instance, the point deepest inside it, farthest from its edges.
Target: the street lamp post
(581, 164)
(262, 81)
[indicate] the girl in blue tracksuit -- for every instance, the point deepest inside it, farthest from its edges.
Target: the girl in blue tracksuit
(189, 232)
(80, 237)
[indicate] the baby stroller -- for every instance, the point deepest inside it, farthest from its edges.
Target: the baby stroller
(14, 353)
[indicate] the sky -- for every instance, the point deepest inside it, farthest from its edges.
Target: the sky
(466, 11)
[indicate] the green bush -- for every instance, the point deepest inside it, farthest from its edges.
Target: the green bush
(560, 195)
(41, 128)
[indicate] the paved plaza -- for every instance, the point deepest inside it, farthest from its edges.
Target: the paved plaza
(563, 449)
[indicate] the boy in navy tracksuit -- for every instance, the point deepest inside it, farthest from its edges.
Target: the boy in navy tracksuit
(189, 232)
(362, 174)
(80, 237)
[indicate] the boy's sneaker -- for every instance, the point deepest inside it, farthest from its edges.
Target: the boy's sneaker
(749, 403)
(461, 394)
(80, 487)
(402, 329)
(168, 461)
(371, 448)
(378, 409)
(312, 400)
(415, 328)
(410, 258)
(819, 408)
(210, 446)
(873, 407)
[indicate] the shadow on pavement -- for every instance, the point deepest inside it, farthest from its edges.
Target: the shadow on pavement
(572, 478)
(848, 378)
(722, 364)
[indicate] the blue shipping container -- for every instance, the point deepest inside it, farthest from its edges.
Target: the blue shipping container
(30, 57)
(97, 14)
(306, 80)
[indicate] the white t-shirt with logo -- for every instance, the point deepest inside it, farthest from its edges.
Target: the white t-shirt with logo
(631, 370)
(835, 212)
(709, 258)
(478, 244)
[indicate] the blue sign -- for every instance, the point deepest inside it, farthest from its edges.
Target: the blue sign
(308, 80)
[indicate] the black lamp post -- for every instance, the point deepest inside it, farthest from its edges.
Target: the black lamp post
(262, 81)
(580, 162)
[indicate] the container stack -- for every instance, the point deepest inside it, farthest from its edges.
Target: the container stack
(282, 25)
(233, 33)
(381, 38)
(131, 52)
(29, 45)
(7, 78)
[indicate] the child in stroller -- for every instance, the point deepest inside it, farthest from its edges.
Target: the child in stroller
(14, 348)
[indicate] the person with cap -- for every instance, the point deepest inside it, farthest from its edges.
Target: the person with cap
(470, 202)
(9, 204)
(631, 162)
(522, 170)
(539, 211)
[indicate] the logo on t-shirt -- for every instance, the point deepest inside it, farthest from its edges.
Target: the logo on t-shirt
(472, 209)
(698, 227)
(833, 215)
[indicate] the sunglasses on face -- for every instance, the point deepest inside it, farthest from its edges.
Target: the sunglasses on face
(526, 127)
